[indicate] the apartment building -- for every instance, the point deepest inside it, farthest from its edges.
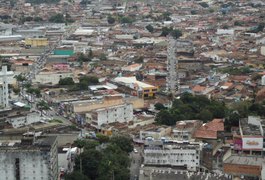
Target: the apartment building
(183, 155)
(32, 158)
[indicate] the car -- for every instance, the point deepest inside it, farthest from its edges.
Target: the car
(135, 150)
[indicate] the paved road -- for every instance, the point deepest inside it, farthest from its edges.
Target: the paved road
(135, 163)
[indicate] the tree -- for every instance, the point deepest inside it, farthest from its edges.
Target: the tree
(86, 81)
(204, 4)
(159, 106)
(126, 20)
(176, 33)
(42, 105)
(38, 19)
(194, 12)
(150, 28)
(102, 138)
(205, 115)
(123, 142)
(165, 117)
(57, 18)
(20, 78)
(66, 81)
(103, 57)
(88, 162)
(85, 57)
(165, 31)
(111, 20)
(76, 176)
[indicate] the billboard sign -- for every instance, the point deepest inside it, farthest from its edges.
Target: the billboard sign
(255, 143)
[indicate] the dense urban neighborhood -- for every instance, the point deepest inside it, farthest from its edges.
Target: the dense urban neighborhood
(132, 90)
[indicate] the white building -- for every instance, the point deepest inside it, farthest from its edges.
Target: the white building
(5, 77)
(30, 158)
(119, 113)
(156, 134)
(172, 153)
(51, 77)
(263, 80)
(24, 120)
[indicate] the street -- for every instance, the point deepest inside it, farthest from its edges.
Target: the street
(136, 161)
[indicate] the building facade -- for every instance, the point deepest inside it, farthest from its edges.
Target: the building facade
(173, 153)
(29, 159)
(120, 113)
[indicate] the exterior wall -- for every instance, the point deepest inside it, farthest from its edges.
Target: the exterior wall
(148, 92)
(137, 103)
(236, 169)
(172, 157)
(33, 165)
(181, 134)
(122, 113)
(52, 78)
(36, 42)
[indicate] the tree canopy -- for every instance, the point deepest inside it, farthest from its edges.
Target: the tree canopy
(150, 28)
(66, 81)
(103, 162)
(190, 107)
(111, 20)
(86, 81)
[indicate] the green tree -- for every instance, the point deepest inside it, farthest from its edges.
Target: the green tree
(165, 31)
(84, 57)
(165, 117)
(43, 105)
(66, 81)
(88, 162)
(176, 33)
(76, 176)
(86, 81)
(111, 20)
(57, 18)
(159, 106)
(102, 138)
(205, 115)
(150, 28)
(124, 142)
(204, 4)
(126, 20)
(103, 57)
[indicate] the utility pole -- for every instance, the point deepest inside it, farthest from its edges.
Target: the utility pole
(172, 68)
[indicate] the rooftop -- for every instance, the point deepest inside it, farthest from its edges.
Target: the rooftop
(132, 81)
(249, 129)
(210, 129)
(245, 160)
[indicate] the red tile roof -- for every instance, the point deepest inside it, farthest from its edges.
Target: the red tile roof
(210, 129)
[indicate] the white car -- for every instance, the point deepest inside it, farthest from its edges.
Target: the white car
(135, 150)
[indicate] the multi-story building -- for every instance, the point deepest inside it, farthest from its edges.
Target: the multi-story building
(184, 130)
(156, 134)
(172, 153)
(135, 87)
(120, 113)
(250, 137)
(32, 158)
